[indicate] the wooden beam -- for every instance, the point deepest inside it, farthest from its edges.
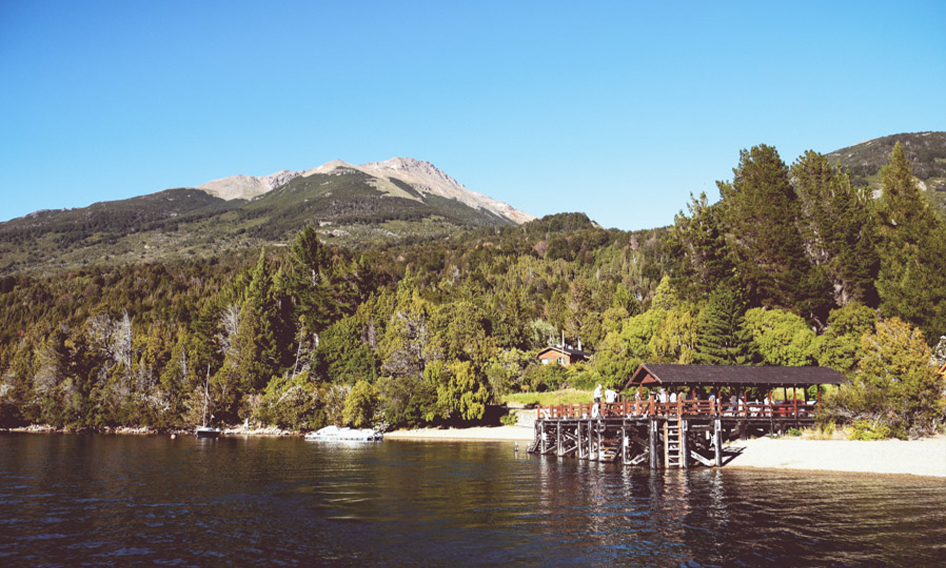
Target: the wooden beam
(717, 441)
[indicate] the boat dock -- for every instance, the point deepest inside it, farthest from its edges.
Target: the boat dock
(688, 432)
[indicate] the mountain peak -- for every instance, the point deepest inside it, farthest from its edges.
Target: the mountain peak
(247, 187)
(423, 176)
(429, 180)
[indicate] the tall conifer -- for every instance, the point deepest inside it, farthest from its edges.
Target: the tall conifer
(723, 337)
(761, 213)
(837, 228)
(912, 247)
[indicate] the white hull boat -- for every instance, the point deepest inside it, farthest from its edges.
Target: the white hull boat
(336, 434)
(207, 432)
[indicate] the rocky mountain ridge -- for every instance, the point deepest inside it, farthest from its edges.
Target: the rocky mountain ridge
(247, 187)
(423, 177)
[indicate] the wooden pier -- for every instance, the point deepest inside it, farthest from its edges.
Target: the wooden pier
(684, 433)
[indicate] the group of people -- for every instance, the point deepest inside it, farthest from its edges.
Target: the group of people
(609, 395)
(736, 404)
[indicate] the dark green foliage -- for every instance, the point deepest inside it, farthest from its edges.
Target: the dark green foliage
(724, 338)
(912, 246)
(837, 228)
(342, 356)
(761, 213)
(699, 242)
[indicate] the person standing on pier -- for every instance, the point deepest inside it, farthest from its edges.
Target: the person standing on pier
(597, 394)
(610, 395)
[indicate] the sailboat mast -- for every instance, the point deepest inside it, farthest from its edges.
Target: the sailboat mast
(206, 394)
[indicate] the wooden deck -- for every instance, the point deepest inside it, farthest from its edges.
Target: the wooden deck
(650, 433)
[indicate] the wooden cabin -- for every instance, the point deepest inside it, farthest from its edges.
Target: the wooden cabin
(564, 356)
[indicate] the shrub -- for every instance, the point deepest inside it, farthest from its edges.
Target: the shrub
(509, 419)
(867, 430)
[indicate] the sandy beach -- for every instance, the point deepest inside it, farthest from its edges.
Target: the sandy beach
(476, 433)
(926, 457)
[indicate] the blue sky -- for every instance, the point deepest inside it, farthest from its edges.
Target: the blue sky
(617, 109)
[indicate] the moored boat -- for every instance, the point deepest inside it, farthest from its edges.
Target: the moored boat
(207, 432)
(336, 434)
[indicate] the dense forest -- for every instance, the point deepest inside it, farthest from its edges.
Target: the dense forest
(795, 265)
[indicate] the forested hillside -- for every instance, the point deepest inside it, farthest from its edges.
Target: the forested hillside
(794, 266)
(345, 205)
(925, 150)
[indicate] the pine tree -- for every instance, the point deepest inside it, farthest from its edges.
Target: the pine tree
(837, 228)
(723, 336)
(307, 280)
(761, 213)
(912, 249)
(704, 260)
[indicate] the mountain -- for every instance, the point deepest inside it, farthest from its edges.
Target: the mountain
(247, 187)
(400, 200)
(425, 179)
(925, 150)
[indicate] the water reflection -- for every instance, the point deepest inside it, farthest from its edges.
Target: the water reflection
(120, 501)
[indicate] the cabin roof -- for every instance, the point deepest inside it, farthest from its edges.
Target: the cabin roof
(565, 351)
(733, 375)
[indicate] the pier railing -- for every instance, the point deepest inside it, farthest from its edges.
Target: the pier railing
(682, 408)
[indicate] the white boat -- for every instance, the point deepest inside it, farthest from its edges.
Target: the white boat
(208, 432)
(336, 434)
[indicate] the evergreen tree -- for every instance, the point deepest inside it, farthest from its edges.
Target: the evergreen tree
(837, 228)
(307, 280)
(912, 248)
(723, 337)
(704, 259)
(761, 213)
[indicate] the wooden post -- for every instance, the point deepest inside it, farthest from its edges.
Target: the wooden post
(652, 441)
(683, 442)
(598, 446)
(558, 439)
(717, 441)
(795, 403)
(624, 443)
(580, 453)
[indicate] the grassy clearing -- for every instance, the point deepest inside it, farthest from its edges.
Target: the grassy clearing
(565, 396)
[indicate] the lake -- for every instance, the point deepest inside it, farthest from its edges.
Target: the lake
(73, 500)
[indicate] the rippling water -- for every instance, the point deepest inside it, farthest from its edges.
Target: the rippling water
(70, 500)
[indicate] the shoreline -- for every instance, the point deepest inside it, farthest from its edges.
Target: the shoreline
(925, 457)
(148, 431)
(470, 434)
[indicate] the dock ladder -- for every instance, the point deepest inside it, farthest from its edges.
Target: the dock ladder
(672, 443)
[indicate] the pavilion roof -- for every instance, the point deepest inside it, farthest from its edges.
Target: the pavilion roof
(650, 374)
